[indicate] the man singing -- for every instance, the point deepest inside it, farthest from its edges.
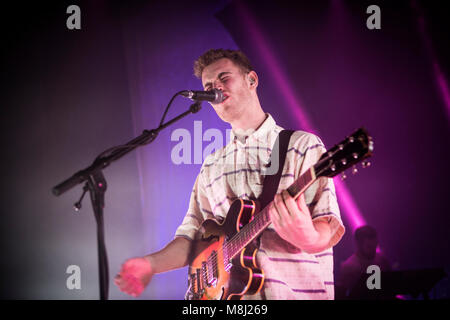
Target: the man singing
(295, 251)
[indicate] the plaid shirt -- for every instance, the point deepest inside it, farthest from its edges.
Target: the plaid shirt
(235, 172)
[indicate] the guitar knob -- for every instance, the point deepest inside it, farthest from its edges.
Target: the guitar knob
(354, 170)
(343, 176)
(366, 164)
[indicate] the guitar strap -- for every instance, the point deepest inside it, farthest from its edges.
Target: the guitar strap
(271, 181)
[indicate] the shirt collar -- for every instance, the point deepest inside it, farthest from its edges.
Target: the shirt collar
(261, 133)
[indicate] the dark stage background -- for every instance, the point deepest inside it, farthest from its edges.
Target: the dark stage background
(67, 95)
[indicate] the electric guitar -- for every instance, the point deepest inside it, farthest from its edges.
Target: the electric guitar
(223, 264)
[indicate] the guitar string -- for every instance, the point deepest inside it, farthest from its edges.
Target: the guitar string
(232, 241)
(244, 230)
(214, 256)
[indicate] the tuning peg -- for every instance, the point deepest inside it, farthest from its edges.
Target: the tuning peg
(366, 164)
(341, 147)
(354, 170)
(355, 155)
(333, 168)
(343, 176)
(351, 139)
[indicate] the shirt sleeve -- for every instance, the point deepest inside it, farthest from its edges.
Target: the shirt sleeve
(199, 209)
(321, 195)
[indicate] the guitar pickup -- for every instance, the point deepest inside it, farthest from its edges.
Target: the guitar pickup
(205, 276)
(210, 270)
(199, 280)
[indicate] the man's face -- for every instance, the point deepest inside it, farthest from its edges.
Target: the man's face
(226, 76)
(369, 247)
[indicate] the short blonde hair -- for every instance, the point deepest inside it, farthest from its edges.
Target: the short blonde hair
(212, 55)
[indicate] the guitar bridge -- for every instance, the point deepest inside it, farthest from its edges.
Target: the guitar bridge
(195, 288)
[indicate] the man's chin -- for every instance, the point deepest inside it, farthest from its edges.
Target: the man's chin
(226, 115)
(222, 109)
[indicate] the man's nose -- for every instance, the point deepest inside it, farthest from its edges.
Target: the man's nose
(218, 85)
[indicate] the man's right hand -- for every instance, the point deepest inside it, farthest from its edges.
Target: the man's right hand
(134, 276)
(136, 273)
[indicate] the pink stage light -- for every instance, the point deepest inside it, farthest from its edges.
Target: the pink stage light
(351, 209)
(443, 87)
(295, 105)
(441, 81)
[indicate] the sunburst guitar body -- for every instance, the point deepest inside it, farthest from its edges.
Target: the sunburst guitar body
(214, 273)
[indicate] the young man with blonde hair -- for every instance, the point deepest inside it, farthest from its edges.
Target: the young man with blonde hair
(295, 251)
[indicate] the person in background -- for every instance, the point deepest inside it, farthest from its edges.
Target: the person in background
(351, 270)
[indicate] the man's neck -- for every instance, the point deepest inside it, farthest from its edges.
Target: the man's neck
(253, 121)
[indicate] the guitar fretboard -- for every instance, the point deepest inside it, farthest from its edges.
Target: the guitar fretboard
(261, 220)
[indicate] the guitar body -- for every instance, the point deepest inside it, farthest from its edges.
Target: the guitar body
(211, 275)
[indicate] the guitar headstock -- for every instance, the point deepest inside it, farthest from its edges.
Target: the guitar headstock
(355, 148)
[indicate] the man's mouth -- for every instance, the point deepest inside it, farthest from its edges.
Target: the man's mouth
(225, 97)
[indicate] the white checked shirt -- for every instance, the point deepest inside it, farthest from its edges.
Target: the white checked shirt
(235, 172)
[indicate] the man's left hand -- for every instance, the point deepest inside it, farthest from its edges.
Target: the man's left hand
(292, 221)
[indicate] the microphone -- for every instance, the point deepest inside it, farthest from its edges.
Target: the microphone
(213, 96)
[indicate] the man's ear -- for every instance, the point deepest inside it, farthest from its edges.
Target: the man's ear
(253, 79)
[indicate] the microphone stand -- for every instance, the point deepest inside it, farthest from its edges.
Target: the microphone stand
(96, 185)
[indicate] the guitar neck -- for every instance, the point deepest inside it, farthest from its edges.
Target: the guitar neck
(261, 220)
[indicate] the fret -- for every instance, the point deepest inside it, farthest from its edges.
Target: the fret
(262, 219)
(302, 183)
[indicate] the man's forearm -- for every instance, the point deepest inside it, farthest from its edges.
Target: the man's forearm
(322, 237)
(173, 256)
